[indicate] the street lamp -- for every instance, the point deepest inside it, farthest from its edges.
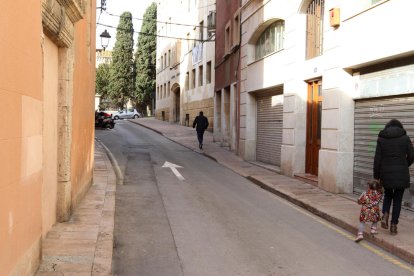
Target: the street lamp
(105, 36)
(103, 6)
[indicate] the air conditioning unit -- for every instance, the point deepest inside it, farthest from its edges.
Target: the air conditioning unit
(211, 23)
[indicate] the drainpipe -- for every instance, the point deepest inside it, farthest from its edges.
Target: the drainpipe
(238, 85)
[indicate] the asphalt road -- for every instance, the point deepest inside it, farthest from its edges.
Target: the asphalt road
(215, 222)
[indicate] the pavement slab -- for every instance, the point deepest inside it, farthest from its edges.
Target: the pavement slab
(84, 244)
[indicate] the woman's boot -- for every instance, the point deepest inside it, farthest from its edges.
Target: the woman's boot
(393, 229)
(384, 220)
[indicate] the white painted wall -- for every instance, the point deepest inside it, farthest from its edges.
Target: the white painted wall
(366, 35)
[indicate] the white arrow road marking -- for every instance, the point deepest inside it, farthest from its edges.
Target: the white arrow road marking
(174, 169)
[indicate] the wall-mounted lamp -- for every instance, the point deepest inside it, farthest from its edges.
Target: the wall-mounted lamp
(105, 36)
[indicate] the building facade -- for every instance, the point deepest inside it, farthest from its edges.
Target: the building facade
(319, 79)
(185, 61)
(46, 150)
(227, 72)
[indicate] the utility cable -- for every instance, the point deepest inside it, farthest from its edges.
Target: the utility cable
(156, 35)
(162, 22)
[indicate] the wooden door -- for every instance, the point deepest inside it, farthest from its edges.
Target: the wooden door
(313, 126)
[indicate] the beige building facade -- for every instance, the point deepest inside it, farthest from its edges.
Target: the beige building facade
(46, 147)
(185, 62)
(319, 79)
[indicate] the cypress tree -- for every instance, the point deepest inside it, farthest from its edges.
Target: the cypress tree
(145, 60)
(122, 73)
(102, 81)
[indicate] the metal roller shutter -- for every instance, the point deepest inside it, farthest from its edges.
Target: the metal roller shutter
(269, 129)
(370, 117)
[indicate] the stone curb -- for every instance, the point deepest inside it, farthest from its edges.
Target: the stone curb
(102, 263)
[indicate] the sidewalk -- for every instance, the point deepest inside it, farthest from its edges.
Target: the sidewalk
(342, 210)
(84, 244)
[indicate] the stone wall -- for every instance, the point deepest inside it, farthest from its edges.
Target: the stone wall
(158, 114)
(193, 109)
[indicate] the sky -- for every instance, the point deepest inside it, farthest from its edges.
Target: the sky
(136, 7)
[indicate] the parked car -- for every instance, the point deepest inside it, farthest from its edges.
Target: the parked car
(104, 120)
(126, 114)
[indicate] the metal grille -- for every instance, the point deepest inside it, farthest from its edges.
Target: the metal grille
(314, 29)
(371, 117)
(269, 129)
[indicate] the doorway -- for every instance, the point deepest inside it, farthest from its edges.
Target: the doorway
(313, 126)
(177, 105)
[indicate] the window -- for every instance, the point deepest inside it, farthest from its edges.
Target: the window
(200, 75)
(314, 29)
(169, 88)
(236, 29)
(201, 31)
(158, 92)
(193, 36)
(227, 39)
(187, 81)
(188, 42)
(165, 90)
(208, 72)
(271, 40)
(165, 60)
(160, 95)
(162, 62)
(193, 76)
(169, 57)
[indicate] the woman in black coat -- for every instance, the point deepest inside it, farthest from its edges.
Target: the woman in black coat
(393, 155)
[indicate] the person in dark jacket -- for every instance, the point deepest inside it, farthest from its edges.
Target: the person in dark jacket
(393, 155)
(202, 123)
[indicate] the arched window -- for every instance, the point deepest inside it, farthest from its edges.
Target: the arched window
(271, 40)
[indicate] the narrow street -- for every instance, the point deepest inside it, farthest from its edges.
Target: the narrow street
(203, 219)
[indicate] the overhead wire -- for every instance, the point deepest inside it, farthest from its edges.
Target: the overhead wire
(156, 35)
(154, 20)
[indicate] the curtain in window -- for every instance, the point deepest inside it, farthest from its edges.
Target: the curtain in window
(271, 40)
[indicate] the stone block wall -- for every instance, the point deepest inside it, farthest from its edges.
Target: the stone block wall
(158, 114)
(193, 109)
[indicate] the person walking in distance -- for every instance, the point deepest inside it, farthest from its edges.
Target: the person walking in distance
(201, 124)
(393, 155)
(370, 211)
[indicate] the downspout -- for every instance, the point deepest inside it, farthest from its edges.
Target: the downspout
(238, 86)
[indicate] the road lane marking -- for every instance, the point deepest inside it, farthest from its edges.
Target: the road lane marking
(364, 244)
(173, 168)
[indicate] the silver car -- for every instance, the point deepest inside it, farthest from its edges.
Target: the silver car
(126, 114)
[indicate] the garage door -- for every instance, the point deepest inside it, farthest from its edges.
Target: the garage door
(370, 117)
(269, 129)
